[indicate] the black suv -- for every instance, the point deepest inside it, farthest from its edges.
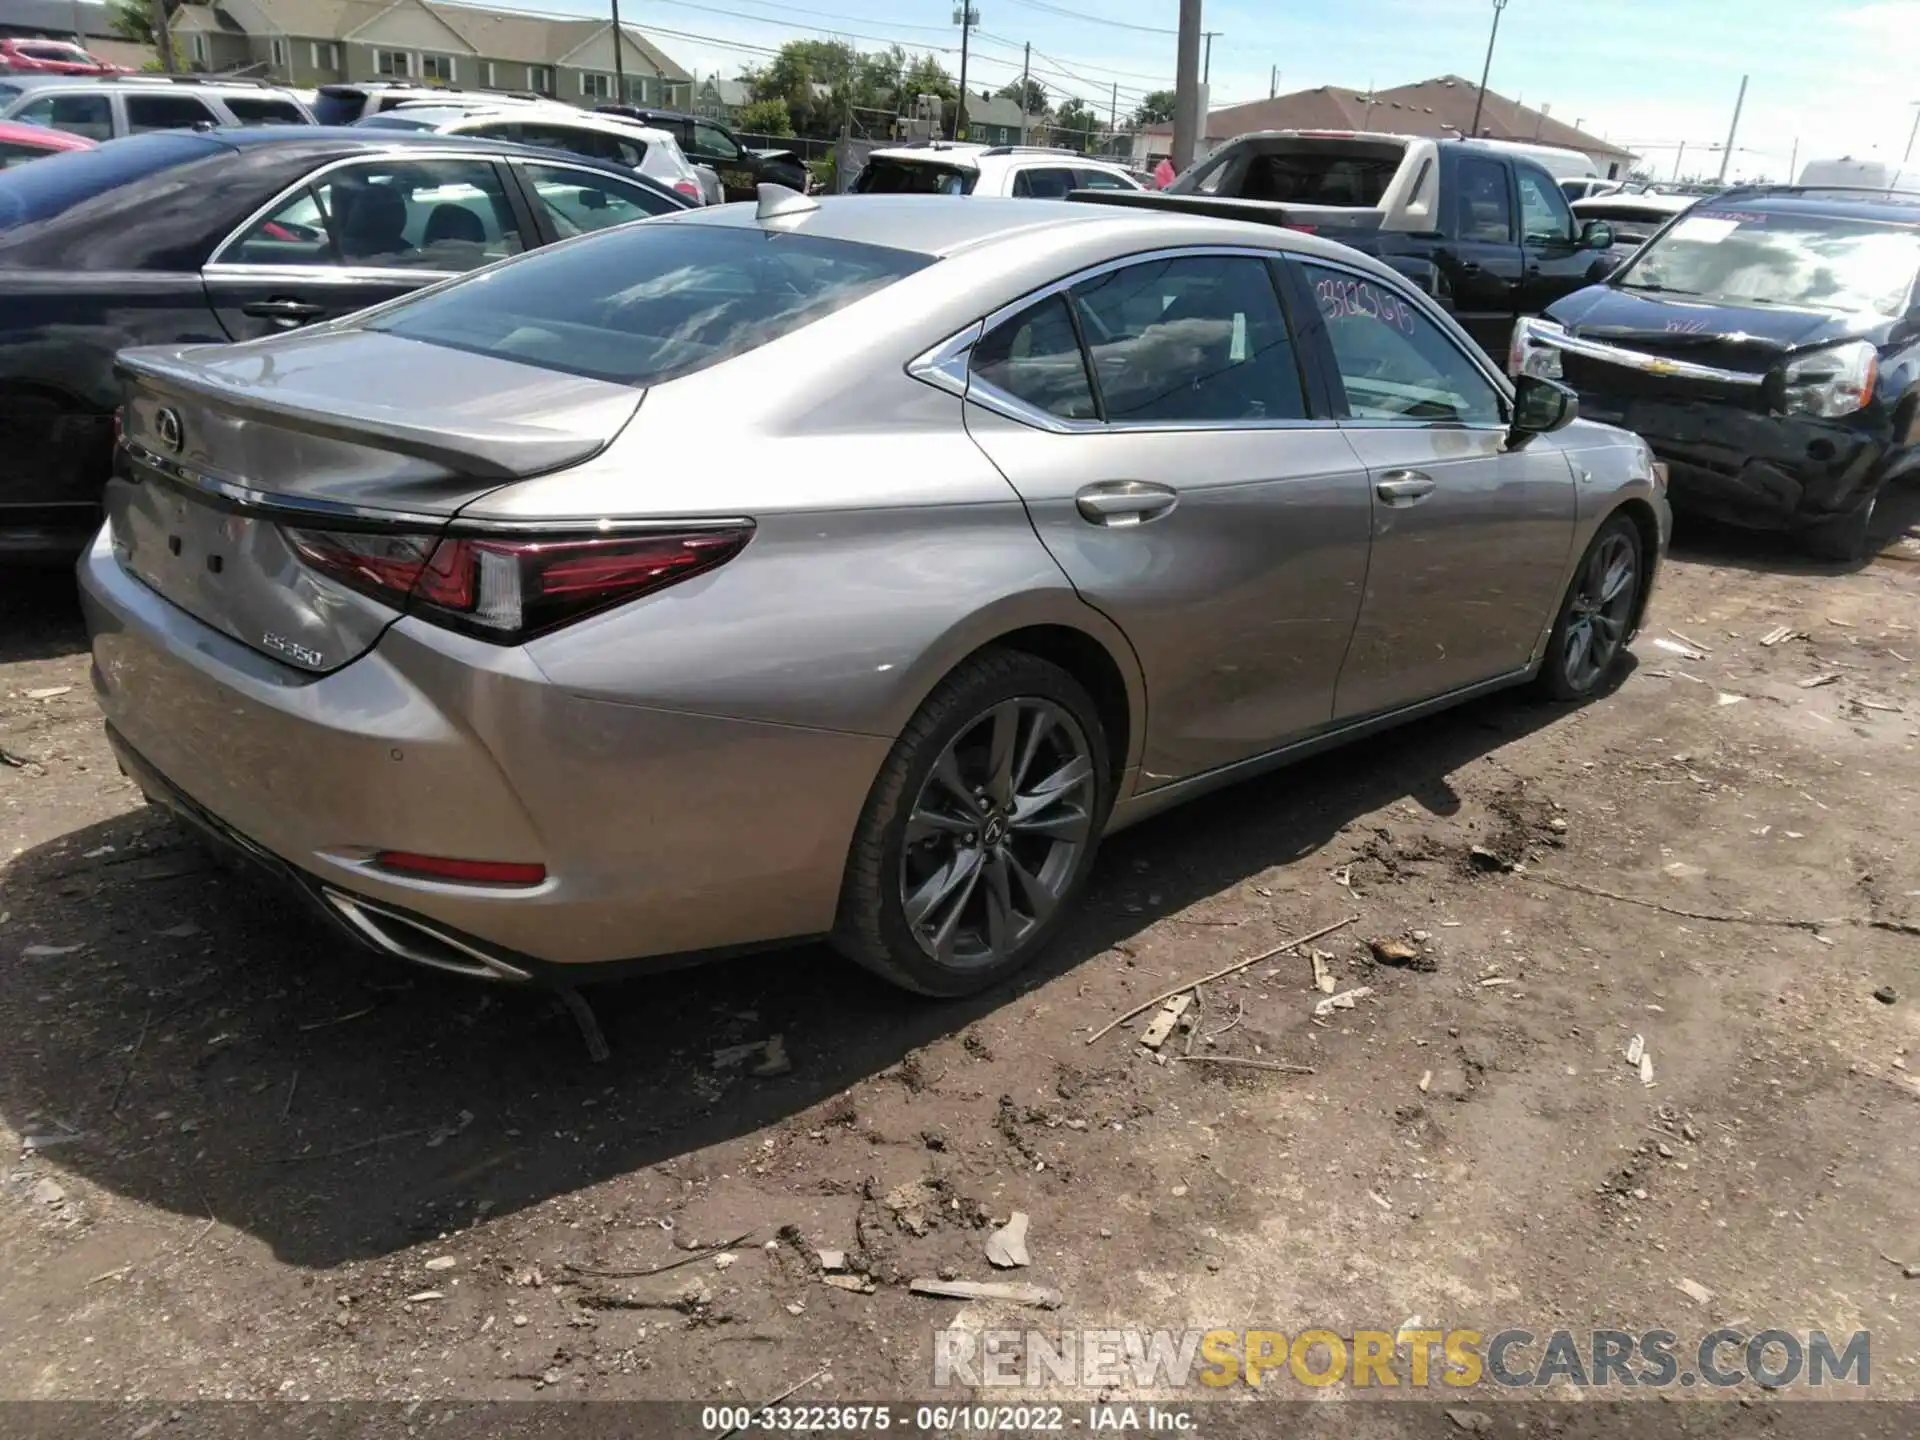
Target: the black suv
(708, 142)
(1766, 344)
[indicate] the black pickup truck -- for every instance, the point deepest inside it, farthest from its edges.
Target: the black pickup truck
(1485, 231)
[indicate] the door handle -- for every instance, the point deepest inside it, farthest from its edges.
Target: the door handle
(1404, 487)
(283, 312)
(1125, 502)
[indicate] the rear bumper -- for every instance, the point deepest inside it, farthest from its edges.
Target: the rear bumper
(662, 833)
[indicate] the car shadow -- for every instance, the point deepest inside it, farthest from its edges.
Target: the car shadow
(40, 614)
(207, 1049)
(1896, 531)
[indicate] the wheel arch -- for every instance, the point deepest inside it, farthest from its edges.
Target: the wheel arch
(1640, 511)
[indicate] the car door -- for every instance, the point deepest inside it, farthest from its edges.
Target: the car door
(77, 114)
(1178, 475)
(567, 200)
(710, 145)
(1555, 263)
(1482, 263)
(1471, 533)
(359, 232)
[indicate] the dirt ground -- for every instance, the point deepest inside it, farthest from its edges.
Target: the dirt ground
(236, 1147)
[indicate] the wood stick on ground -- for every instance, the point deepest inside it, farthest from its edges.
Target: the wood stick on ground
(287, 1109)
(1219, 974)
(786, 1394)
(1721, 917)
(705, 1252)
(132, 1060)
(1279, 1067)
(354, 1148)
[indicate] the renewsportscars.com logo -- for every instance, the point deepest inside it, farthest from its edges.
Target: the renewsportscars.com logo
(1396, 1359)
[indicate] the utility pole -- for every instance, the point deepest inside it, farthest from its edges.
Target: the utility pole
(1273, 81)
(1486, 70)
(1726, 156)
(1206, 66)
(1912, 133)
(1793, 165)
(162, 38)
(1026, 89)
(966, 17)
(1187, 119)
(619, 61)
(1113, 114)
(1678, 158)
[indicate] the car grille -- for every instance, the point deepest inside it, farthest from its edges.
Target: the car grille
(1590, 376)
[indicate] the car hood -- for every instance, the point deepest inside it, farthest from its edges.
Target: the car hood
(1675, 323)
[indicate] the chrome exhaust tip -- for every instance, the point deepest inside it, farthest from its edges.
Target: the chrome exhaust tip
(417, 942)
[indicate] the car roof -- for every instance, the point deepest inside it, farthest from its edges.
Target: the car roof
(450, 112)
(965, 153)
(1836, 201)
(141, 84)
(938, 226)
(343, 140)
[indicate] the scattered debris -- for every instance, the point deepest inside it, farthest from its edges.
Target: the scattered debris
(1636, 1047)
(51, 692)
(1343, 1001)
(591, 1035)
(776, 1061)
(1725, 698)
(1681, 870)
(1323, 980)
(48, 1192)
(1694, 1291)
(1219, 974)
(1646, 1070)
(1038, 1296)
(1494, 982)
(1685, 652)
(1485, 860)
(1007, 1246)
(1426, 1080)
(442, 1262)
(1886, 995)
(1815, 682)
(832, 1260)
(1389, 951)
(339, 1019)
(1907, 1271)
(181, 932)
(1279, 1067)
(701, 1253)
(852, 1284)
(762, 1408)
(1781, 635)
(1474, 1422)
(421, 1295)
(1156, 1033)
(725, 1260)
(1689, 640)
(49, 952)
(732, 1057)
(1866, 704)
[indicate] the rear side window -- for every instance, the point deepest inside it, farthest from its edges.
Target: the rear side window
(332, 109)
(1485, 206)
(1196, 340)
(578, 201)
(912, 177)
(1035, 358)
(39, 192)
(166, 112)
(1394, 362)
(252, 110)
(645, 304)
(88, 115)
(1044, 183)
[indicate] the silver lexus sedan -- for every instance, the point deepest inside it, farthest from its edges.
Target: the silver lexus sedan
(1028, 521)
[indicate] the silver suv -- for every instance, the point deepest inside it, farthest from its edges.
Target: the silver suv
(102, 107)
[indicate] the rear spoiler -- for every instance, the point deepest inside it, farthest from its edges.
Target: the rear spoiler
(482, 449)
(1259, 212)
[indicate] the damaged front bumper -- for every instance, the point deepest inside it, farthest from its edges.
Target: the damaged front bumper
(1730, 455)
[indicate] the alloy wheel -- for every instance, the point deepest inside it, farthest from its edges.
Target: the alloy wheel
(996, 833)
(1602, 607)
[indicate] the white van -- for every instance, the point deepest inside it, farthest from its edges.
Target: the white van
(1872, 174)
(1561, 164)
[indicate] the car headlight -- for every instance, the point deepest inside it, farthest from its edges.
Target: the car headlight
(1529, 355)
(1836, 381)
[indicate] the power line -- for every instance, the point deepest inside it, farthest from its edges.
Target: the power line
(1101, 20)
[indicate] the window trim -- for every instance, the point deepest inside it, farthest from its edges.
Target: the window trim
(540, 78)
(278, 51)
(405, 72)
(217, 267)
(595, 77)
(420, 60)
(1323, 357)
(947, 365)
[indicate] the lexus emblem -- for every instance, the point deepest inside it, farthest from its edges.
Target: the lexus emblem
(166, 423)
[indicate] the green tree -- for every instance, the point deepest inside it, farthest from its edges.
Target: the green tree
(765, 117)
(879, 81)
(1155, 109)
(1033, 101)
(927, 76)
(1074, 123)
(799, 75)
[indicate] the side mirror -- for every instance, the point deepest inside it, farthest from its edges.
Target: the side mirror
(1542, 406)
(1596, 235)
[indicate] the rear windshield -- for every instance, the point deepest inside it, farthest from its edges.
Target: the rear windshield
(338, 109)
(8, 93)
(392, 120)
(647, 303)
(913, 177)
(1302, 175)
(38, 192)
(1773, 257)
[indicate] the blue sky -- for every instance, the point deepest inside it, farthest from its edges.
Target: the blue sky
(1835, 75)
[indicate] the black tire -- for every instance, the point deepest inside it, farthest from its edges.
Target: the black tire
(1843, 539)
(1562, 679)
(872, 927)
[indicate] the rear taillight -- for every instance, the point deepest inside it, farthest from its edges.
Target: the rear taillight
(468, 872)
(689, 189)
(510, 588)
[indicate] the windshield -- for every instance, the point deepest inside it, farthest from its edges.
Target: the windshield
(329, 109)
(393, 120)
(1298, 172)
(1820, 262)
(8, 94)
(643, 304)
(887, 176)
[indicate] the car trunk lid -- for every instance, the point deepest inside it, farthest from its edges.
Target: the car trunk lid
(346, 431)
